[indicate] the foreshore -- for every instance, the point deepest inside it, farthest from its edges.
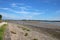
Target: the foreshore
(33, 30)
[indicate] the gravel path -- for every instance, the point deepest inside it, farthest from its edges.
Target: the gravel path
(17, 32)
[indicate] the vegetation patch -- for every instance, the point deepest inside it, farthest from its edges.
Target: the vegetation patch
(26, 34)
(2, 30)
(35, 39)
(13, 32)
(26, 29)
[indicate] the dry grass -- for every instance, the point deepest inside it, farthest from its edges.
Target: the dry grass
(25, 29)
(13, 32)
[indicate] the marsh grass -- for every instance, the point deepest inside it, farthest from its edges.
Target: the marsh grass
(2, 29)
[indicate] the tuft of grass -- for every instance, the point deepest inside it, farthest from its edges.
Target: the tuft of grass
(26, 29)
(26, 34)
(13, 32)
(35, 39)
(2, 30)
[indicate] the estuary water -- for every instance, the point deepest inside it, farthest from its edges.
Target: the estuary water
(54, 23)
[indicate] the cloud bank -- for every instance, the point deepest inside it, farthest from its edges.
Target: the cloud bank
(23, 11)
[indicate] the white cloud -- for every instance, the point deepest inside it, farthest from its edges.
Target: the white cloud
(16, 4)
(13, 16)
(9, 16)
(38, 13)
(27, 17)
(23, 8)
(5, 8)
(23, 12)
(54, 18)
(20, 4)
(13, 5)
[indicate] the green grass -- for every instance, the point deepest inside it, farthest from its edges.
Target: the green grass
(2, 29)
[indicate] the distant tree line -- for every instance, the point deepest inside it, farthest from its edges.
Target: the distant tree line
(0, 18)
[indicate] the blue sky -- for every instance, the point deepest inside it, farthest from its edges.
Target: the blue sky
(30, 9)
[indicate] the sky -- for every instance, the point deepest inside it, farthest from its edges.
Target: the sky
(30, 9)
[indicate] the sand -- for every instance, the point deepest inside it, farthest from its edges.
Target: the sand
(20, 32)
(3, 23)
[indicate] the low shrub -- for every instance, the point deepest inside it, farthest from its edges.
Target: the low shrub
(26, 29)
(26, 34)
(35, 39)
